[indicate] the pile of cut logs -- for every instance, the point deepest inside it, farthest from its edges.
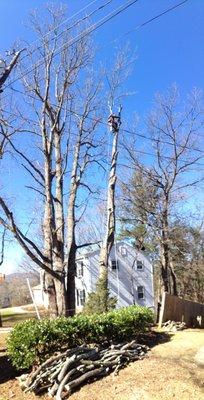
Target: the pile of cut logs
(172, 326)
(62, 373)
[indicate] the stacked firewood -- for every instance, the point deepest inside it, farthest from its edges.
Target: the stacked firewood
(173, 326)
(62, 373)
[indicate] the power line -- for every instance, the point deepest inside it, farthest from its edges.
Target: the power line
(105, 124)
(70, 27)
(141, 25)
(145, 23)
(158, 141)
(101, 7)
(91, 29)
(156, 17)
(131, 132)
(166, 157)
(110, 16)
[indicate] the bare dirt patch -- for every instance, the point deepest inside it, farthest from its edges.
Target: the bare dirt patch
(168, 373)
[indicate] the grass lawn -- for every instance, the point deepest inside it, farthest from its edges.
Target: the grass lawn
(11, 316)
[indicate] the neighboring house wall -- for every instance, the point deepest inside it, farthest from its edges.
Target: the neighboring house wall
(130, 276)
(40, 297)
(6, 302)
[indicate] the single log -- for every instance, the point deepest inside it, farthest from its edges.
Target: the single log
(128, 345)
(88, 375)
(53, 390)
(69, 362)
(55, 374)
(66, 379)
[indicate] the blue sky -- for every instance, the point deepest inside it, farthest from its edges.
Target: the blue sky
(169, 50)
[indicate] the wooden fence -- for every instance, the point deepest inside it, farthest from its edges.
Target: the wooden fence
(176, 309)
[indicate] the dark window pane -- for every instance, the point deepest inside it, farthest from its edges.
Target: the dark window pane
(114, 264)
(140, 292)
(139, 264)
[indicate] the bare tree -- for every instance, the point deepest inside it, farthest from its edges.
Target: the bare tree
(115, 79)
(85, 155)
(174, 137)
(108, 241)
(60, 136)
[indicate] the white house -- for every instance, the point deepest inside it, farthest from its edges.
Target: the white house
(40, 297)
(130, 276)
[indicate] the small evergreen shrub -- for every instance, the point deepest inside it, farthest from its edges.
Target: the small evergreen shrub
(100, 300)
(32, 341)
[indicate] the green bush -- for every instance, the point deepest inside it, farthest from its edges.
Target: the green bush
(100, 300)
(32, 341)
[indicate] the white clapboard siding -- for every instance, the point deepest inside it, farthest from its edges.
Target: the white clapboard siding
(124, 281)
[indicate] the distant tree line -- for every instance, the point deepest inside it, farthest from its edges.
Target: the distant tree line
(14, 291)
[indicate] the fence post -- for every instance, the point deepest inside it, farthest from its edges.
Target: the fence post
(162, 308)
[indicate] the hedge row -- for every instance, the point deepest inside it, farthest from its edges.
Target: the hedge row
(32, 341)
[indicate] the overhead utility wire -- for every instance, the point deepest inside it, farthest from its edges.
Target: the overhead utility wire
(141, 25)
(91, 29)
(105, 124)
(144, 23)
(98, 9)
(154, 155)
(79, 21)
(127, 131)
(152, 19)
(102, 122)
(166, 157)
(162, 141)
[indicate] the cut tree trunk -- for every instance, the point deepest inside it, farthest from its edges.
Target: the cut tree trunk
(58, 234)
(71, 241)
(71, 274)
(108, 241)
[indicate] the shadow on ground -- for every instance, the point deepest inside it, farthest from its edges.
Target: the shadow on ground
(153, 338)
(7, 371)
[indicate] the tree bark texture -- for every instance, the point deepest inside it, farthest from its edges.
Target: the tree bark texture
(71, 222)
(108, 241)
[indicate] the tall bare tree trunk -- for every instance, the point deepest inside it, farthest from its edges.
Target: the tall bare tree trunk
(108, 241)
(164, 259)
(47, 232)
(58, 235)
(71, 240)
(165, 249)
(173, 277)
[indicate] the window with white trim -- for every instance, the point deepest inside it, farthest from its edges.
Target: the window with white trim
(140, 292)
(80, 269)
(114, 265)
(123, 251)
(81, 297)
(140, 265)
